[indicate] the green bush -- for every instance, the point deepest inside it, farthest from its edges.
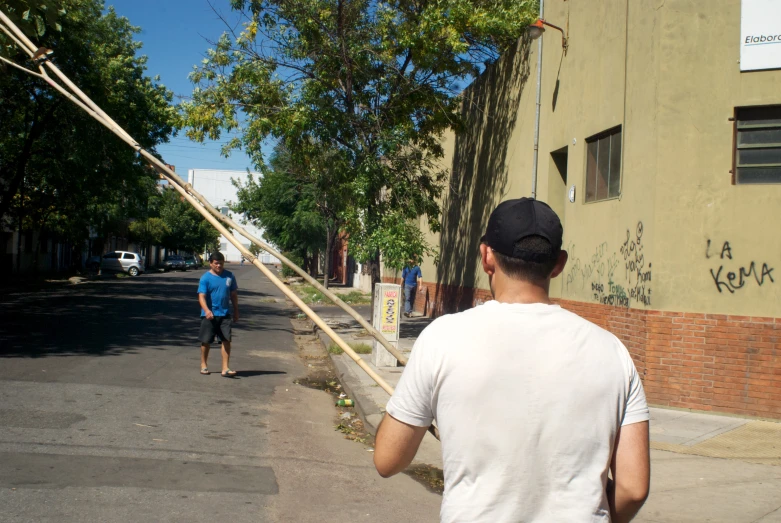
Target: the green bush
(286, 271)
(356, 298)
(360, 348)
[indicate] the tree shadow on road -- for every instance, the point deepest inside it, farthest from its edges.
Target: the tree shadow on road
(251, 373)
(115, 317)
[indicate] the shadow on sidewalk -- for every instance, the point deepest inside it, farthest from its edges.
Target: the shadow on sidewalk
(412, 327)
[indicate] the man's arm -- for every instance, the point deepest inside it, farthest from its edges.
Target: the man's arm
(631, 470)
(202, 301)
(396, 445)
(235, 301)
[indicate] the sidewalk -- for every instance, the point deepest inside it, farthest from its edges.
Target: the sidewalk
(705, 467)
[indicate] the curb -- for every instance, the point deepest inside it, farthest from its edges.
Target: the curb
(366, 408)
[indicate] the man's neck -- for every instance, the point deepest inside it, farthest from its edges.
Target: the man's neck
(509, 290)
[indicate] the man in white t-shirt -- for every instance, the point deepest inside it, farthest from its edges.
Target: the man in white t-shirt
(534, 404)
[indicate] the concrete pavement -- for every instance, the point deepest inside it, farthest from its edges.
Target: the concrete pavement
(705, 467)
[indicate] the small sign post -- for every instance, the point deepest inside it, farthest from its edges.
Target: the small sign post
(387, 302)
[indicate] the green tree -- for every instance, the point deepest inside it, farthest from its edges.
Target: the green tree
(148, 232)
(285, 208)
(376, 83)
(317, 177)
(32, 17)
(56, 158)
(186, 229)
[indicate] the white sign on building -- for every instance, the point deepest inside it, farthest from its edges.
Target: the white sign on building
(217, 188)
(760, 35)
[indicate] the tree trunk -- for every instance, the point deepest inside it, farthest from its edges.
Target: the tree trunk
(315, 263)
(327, 265)
(37, 251)
(19, 247)
(13, 172)
(374, 272)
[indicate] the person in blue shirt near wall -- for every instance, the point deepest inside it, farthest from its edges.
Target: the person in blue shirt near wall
(411, 276)
(216, 291)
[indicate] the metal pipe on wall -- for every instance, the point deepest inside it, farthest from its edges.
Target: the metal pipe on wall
(537, 109)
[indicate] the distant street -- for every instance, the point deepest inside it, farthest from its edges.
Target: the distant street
(105, 417)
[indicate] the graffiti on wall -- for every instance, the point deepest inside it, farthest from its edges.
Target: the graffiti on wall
(730, 275)
(617, 278)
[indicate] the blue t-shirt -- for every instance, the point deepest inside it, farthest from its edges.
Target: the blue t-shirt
(218, 292)
(410, 276)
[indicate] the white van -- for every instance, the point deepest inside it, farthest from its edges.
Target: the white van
(123, 261)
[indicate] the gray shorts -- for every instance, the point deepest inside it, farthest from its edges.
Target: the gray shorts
(220, 327)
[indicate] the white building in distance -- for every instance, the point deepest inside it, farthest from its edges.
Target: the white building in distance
(217, 188)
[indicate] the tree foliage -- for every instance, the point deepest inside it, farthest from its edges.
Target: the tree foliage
(375, 84)
(54, 158)
(149, 231)
(186, 229)
(285, 205)
(33, 17)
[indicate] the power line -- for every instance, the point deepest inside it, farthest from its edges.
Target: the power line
(200, 148)
(192, 158)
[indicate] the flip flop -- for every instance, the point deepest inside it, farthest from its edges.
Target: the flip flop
(205, 371)
(228, 373)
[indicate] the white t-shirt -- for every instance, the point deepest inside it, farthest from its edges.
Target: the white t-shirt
(528, 399)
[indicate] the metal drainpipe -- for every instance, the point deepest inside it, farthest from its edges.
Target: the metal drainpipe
(537, 115)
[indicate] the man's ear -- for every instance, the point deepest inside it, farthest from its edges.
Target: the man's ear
(560, 263)
(487, 257)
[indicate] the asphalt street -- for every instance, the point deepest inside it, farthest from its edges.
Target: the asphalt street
(105, 417)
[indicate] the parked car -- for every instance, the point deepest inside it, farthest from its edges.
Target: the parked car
(192, 262)
(122, 261)
(174, 262)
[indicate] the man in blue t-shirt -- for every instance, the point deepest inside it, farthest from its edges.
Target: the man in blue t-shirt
(411, 276)
(216, 290)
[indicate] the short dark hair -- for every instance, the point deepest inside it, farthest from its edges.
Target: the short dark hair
(216, 256)
(531, 271)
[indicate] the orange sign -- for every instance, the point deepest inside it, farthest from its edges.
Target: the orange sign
(389, 313)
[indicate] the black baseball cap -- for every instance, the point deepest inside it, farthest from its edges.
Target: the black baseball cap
(514, 220)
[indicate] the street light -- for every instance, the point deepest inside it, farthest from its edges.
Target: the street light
(534, 32)
(536, 29)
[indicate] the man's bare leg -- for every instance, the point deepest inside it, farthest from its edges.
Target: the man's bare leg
(226, 356)
(204, 356)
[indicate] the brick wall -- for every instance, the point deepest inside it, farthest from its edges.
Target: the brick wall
(710, 362)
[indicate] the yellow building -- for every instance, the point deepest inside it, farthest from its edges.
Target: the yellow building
(663, 159)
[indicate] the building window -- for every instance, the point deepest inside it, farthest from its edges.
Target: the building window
(603, 165)
(757, 157)
(225, 210)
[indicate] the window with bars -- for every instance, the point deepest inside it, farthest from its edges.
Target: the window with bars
(603, 165)
(757, 155)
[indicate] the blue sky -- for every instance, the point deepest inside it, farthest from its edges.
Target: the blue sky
(174, 34)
